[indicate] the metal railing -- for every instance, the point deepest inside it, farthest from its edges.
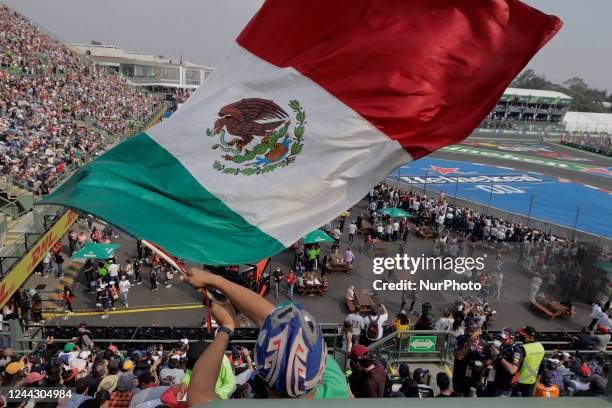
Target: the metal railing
(9, 208)
(44, 218)
(395, 347)
(12, 335)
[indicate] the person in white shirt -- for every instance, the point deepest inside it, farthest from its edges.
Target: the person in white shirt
(349, 257)
(352, 232)
(113, 272)
(349, 294)
(124, 288)
(535, 287)
(46, 265)
(379, 231)
(356, 322)
(396, 227)
(336, 234)
(486, 231)
(493, 233)
(446, 322)
(128, 270)
(597, 313)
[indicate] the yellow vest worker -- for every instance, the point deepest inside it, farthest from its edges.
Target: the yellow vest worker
(534, 354)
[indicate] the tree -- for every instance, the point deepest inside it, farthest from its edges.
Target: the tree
(585, 99)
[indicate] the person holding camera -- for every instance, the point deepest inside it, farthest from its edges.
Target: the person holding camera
(472, 355)
(509, 358)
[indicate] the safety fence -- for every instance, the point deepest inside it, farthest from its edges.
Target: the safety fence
(438, 347)
(594, 142)
(417, 346)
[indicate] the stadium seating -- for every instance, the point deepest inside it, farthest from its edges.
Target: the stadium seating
(55, 106)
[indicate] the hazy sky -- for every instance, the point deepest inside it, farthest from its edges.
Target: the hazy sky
(202, 30)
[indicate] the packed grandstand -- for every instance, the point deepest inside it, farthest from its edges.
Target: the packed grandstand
(47, 96)
(55, 108)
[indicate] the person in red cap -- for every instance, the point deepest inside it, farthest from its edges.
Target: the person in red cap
(34, 379)
(601, 339)
(368, 377)
(508, 358)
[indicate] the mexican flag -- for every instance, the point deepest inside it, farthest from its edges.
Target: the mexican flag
(315, 102)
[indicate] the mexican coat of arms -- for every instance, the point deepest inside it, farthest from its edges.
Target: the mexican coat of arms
(256, 136)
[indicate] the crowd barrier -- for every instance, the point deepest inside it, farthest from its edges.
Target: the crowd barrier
(419, 346)
(32, 255)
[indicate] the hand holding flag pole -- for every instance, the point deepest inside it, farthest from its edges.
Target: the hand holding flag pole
(172, 261)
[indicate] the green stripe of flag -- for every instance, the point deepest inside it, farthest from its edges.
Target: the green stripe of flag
(144, 190)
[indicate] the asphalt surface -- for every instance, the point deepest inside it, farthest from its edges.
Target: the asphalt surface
(586, 159)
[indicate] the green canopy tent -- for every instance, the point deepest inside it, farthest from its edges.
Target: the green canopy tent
(317, 237)
(96, 251)
(394, 212)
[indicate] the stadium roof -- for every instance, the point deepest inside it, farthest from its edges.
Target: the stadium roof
(110, 53)
(588, 122)
(536, 92)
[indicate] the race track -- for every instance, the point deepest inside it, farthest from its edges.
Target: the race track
(531, 155)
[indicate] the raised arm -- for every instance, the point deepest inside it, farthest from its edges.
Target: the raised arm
(255, 307)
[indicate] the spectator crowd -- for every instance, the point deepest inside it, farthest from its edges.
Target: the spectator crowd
(555, 264)
(47, 96)
(52, 101)
(599, 142)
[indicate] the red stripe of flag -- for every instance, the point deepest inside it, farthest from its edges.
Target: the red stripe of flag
(423, 72)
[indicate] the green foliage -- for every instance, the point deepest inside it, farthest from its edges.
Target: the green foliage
(585, 99)
(249, 171)
(272, 139)
(296, 149)
(260, 148)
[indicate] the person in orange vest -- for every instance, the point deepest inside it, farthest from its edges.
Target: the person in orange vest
(545, 387)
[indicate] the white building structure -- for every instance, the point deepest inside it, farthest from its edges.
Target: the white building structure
(157, 74)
